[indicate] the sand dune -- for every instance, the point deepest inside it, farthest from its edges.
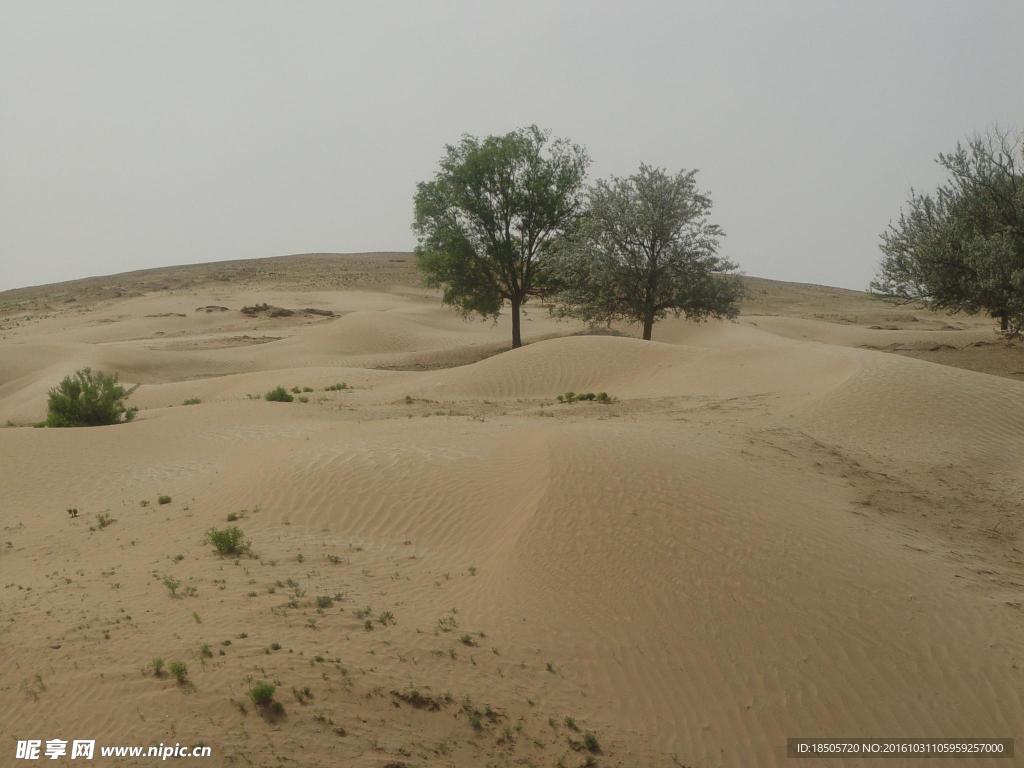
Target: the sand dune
(772, 531)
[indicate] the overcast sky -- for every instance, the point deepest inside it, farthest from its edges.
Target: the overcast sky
(138, 134)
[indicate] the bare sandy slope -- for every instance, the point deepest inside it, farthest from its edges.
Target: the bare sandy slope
(773, 531)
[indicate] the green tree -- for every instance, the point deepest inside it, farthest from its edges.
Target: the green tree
(646, 248)
(961, 248)
(487, 221)
(88, 399)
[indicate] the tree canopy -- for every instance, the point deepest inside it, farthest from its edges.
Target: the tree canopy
(961, 248)
(645, 248)
(487, 221)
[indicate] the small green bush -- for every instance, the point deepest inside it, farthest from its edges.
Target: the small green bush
(179, 671)
(295, 390)
(262, 694)
(303, 399)
(278, 395)
(172, 585)
(336, 387)
(89, 399)
(192, 401)
(228, 541)
(307, 389)
(157, 665)
(576, 397)
(163, 499)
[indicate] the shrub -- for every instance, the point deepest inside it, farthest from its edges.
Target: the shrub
(157, 664)
(89, 399)
(307, 389)
(172, 585)
(278, 395)
(295, 390)
(103, 519)
(192, 401)
(163, 499)
(179, 671)
(576, 397)
(590, 742)
(336, 387)
(228, 541)
(262, 694)
(303, 399)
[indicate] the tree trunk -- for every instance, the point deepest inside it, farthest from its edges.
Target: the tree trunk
(648, 326)
(517, 338)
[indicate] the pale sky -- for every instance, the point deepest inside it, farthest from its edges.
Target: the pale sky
(137, 134)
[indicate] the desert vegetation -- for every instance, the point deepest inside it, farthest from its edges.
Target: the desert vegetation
(279, 395)
(89, 398)
(509, 217)
(228, 541)
(961, 247)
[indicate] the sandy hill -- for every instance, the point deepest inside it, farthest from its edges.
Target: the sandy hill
(775, 529)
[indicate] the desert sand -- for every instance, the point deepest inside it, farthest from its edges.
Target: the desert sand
(801, 523)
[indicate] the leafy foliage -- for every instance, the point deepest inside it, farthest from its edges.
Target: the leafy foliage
(228, 541)
(645, 248)
(89, 398)
(279, 395)
(575, 397)
(488, 219)
(179, 671)
(961, 248)
(262, 693)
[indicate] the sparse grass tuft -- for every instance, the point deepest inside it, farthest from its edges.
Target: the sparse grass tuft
(157, 665)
